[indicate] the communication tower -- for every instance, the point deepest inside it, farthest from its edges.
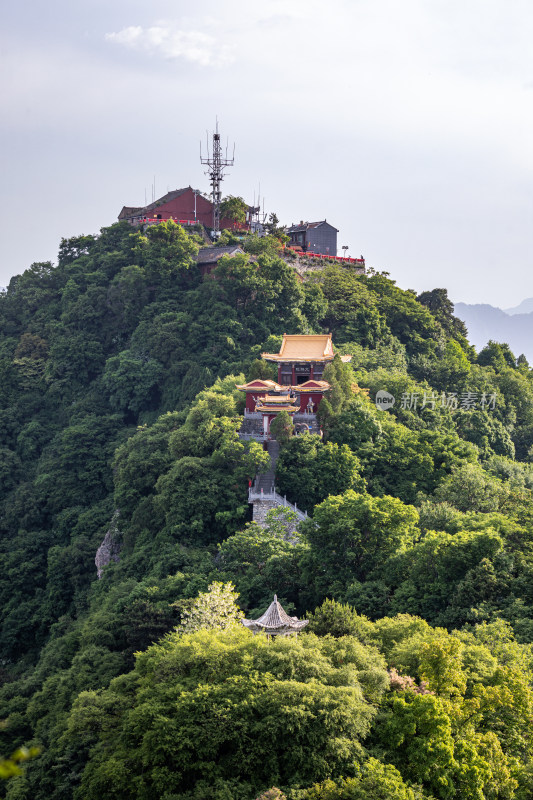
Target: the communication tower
(216, 164)
(258, 217)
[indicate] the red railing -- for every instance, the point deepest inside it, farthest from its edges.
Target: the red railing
(155, 220)
(236, 226)
(310, 254)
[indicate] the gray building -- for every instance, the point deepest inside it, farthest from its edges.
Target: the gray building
(314, 237)
(208, 257)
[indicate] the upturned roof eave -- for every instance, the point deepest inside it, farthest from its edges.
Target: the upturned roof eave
(311, 389)
(251, 624)
(295, 359)
(260, 386)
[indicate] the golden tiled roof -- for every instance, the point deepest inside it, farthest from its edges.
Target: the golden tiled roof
(312, 386)
(259, 385)
(282, 399)
(276, 403)
(303, 348)
(274, 409)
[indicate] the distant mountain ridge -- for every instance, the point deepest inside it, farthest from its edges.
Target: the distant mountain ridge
(525, 307)
(513, 326)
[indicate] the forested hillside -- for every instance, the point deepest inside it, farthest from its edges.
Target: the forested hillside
(119, 419)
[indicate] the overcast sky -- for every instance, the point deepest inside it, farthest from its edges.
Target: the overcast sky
(408, 125)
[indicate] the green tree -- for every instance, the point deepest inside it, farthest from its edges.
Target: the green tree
(75, 470)
(375, 781)
(357, 424)
(216, 608)
(71, 249)
(470, 488)
(486, 431)
(228, 708)
(352, 534)
(406, 318)
(352, 309)
(281, 427)
(234, 209)
(266, 291)
(140, 460)
(450, 372)
(127, 295)
(416, 732)
(307, 470)
(340, 377)
(203, 494)
(228, 237)
(263, 370)
(257, 245)
(166, 251)
(132, 382)
(404, 462)
(275, 229)
(441, 666)
(498, 356)
(325, 417)
(445, 576)
(337, 619)
(441, 307)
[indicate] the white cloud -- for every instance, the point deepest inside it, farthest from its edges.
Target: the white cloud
(169, 41)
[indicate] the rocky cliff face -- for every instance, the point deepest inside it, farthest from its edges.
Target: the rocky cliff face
(110, 548)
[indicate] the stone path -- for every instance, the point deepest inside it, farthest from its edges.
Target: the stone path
(266, 480)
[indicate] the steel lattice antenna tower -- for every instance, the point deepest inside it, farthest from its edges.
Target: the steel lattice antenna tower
(216, 165)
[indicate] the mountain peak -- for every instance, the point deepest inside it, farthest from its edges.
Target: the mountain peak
(525, 307)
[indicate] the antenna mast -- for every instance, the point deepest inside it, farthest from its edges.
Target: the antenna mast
(216, 164)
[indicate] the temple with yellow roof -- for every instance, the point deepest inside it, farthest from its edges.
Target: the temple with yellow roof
(299, 389)
(302, 358)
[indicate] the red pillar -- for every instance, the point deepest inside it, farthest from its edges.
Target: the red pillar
(279, 372)
(312, 372)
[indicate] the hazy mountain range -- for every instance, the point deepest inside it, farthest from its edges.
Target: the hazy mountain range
(512, 325)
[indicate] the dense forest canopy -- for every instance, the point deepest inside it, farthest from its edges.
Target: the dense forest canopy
(119, 420)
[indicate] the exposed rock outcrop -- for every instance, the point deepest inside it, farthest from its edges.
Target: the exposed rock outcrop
(110, 548)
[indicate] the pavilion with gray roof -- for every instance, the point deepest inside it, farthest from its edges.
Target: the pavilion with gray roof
(275, 621)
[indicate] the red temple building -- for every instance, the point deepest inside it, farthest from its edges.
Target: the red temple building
(186, 206)
(181, 204)
(258, 390)
(299, 388)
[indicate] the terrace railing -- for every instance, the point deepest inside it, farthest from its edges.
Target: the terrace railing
(273, 496)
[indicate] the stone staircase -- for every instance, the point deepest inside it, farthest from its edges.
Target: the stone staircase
(263, 494)
(266, 480)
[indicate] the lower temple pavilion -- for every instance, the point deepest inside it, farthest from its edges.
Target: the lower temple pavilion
(275, 621)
